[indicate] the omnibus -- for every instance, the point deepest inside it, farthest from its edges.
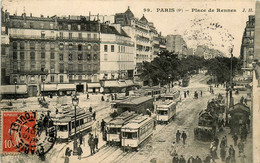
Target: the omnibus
(136, 131)
(64, 121)
(114, 126)
(166, 110)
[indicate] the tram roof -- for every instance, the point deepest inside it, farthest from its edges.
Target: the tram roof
(135, 100)
(165, 103)
(136, 122)
(122, 118)
(67, 112)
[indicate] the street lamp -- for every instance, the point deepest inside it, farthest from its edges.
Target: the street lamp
(43, 81)
(15, 90)
(75, 102)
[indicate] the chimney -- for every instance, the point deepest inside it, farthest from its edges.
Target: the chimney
(30, 14)
(42, 16)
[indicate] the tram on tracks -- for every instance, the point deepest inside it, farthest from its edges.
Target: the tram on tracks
(115, 125)
(137, 131)
(174, 96)
(64, 121)
(166, 111)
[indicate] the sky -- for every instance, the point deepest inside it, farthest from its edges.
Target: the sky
(218, 30)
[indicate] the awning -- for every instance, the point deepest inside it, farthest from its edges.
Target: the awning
(49, 87)
(11, 89)
(93, 85)
(66, 87)
(111, 84)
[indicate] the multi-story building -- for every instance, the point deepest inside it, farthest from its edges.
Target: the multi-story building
(176, 44)
(5, 45)
(143, 34)
(247, 47)
(116, 53)
(58, 50)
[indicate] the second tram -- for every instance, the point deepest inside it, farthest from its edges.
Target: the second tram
(166, 110)
(65, 124)
(114, 126)
(137, 131)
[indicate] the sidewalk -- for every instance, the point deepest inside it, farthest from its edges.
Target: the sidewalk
(85, 148)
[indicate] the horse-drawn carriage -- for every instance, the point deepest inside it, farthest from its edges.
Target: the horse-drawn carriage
(206, 129)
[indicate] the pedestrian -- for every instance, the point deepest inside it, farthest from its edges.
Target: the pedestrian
(67, 155)
(235, 138)
(41, 153)
(103, 124)
(244, 133)
(188, 92)
(240, 147)
(198, 159)
(225, 140)
(102, 98)
(96, 141)
(91, 144)
(90, 109)
(80, 138)
(175, 159)
(115, 95)
(178, 135)
(242, 100)
(182, 159)
(184, 94)
(232, 153)
(191, 160)
(228, 159)
(207, 159)
(184, 137)
(223, 153)
(112, 97)
(201, 93)
(87, 95)
(79, 152)
(57, 111)
(216, 141)
(94, 115)
(245, 101)
(223, 143)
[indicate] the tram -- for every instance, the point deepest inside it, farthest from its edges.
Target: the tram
(174, 96)
(114, 126)
(136, 131)
(166, 110)
(64, 121)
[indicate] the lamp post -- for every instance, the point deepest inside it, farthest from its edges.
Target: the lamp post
(43, 81)
(75, 102)
(15, 90)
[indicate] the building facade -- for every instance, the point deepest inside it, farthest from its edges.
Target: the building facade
(176, 44)
(116, 53)
(247, 47)
(59, 50)
(144, 35)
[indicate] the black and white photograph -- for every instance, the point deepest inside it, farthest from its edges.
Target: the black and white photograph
(130, 81)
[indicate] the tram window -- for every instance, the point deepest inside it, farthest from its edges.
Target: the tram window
(63, 128)
(130, 135)
(113, 130)
(162, 112)
(81, 122)
(77, 123)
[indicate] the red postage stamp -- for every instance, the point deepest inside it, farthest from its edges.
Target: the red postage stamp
(19, 132)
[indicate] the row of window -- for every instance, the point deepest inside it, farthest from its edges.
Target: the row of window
(79, 36)
(71, 67)
(61, 58)
(121, 49)
(52, 46)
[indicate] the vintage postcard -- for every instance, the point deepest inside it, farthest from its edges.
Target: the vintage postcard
(143, 81)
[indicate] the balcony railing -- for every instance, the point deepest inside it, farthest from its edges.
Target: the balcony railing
(77, 39)
(32, 37)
